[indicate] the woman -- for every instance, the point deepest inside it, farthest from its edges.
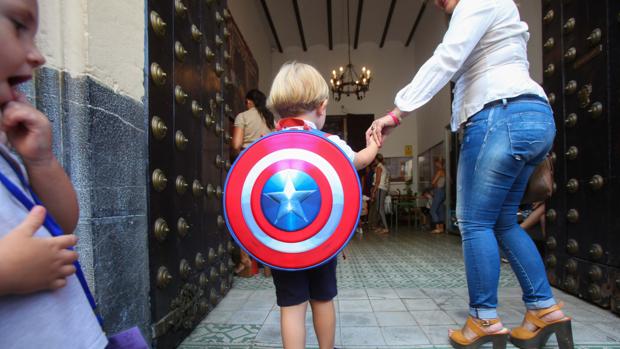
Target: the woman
(508, 128)
(250, 125)
(439, 196)
(379, 192)
(253, 123)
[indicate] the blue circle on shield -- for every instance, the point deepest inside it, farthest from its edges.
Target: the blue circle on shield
(290, 200)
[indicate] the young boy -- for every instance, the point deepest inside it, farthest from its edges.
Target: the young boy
(299, 94)
(41, 302)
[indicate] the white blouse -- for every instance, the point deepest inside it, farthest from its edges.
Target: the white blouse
(485, 52)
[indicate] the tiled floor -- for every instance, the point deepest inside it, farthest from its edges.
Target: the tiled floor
(402, 291)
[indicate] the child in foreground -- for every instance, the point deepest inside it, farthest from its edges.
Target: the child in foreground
(299, 94)
(41, 302)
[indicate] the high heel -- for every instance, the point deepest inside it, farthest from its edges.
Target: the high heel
(525, 339)
(499, 339)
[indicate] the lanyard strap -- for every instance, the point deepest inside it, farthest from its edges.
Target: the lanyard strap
(49, 223)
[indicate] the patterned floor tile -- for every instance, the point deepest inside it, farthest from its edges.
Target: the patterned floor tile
(352, 294)
(404, 335)
(355, 306)
(249, 317)
(381, 293)
(206, 335)
(394, 318)
(366, 336)
(269, 334)
(387, 305)
(452, 303)
(218, 317)
(438, 335)
(424, 273)
(357, 319)
(420, 304)
(412, 293)
(432, 317)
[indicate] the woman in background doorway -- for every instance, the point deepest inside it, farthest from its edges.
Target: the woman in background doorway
(253, 123)
(379, 192)
(250, 125)
(439, 196)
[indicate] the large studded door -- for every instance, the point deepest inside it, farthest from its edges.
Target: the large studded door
(189, 256)
(581, 50)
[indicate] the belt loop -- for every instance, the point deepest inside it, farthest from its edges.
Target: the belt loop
(504, 102)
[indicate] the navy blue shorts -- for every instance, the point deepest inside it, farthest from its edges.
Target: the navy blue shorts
(296, 287)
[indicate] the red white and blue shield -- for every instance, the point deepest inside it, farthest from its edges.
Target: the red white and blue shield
(292, 200)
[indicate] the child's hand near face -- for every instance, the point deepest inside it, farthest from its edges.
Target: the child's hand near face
(31, 264)
(28, 131)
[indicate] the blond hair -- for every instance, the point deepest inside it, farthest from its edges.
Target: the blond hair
(297, 89)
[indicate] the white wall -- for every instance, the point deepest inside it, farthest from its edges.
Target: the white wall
(250, 20)
(104, 39)
(531, 13)
(435, 115)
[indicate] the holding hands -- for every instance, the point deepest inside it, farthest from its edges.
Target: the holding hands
(383, 126)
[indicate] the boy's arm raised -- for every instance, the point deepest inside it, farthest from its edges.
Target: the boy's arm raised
(29, 132)
(365, 156)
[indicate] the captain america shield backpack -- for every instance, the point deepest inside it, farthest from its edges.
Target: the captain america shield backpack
(292, 199)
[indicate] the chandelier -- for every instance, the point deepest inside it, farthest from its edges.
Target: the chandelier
(346, 80)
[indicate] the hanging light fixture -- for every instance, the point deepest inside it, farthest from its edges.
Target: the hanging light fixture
(345, 80)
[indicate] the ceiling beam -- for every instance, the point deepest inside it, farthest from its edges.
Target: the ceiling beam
(360, 7)
(301, 28)
(415, 24)
(330, 35)
(388, 21)
(273, 28)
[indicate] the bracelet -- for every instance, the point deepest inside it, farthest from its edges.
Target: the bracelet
(394, 118)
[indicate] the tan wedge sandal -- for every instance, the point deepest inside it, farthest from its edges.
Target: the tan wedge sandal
(499, 339)
(525, 339)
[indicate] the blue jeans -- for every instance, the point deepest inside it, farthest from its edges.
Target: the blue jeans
(437, 209)
(502, 145)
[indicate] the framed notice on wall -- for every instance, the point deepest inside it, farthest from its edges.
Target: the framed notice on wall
(400, 168)
(408, 150)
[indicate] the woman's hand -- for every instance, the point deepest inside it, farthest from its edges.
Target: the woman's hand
(383, 126)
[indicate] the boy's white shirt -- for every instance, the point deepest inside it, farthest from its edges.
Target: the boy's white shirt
(350, 153)
(59, 319)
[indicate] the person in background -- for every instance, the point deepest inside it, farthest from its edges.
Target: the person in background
(439, 196)
(373, 210)
(531, 218)
(250, 125)
(379, 192)
(427, 195)
(253, 123)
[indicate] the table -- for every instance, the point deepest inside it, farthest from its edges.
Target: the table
(412, 205)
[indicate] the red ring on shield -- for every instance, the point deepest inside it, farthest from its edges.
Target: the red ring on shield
(285, 142)
(317, 223)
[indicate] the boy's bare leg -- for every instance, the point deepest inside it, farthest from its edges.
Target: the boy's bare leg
(324, 320)
(293, 326)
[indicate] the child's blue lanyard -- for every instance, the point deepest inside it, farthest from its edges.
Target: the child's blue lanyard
(49, 223)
